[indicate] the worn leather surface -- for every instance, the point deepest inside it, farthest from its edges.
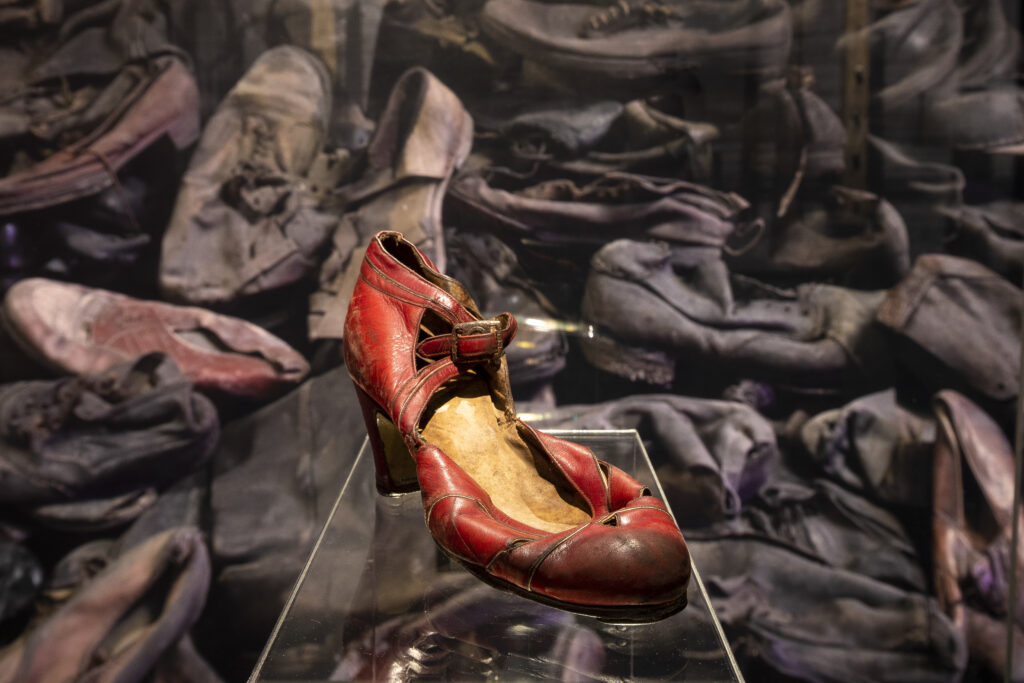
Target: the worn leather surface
(81, 330)
(816, 336)
(423, 136)
(874, 445)
(637, 559)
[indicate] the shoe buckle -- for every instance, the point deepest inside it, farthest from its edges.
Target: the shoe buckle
(476, 341)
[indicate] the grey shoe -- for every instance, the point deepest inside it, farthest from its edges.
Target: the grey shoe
(565, 139)
(247, 218)
(637, 39)
(852, 238)
(562, 212)
(992, 234)
(121, 624)
(649, 317)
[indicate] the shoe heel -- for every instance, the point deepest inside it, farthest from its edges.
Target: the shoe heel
(394, 466)
(632, 362)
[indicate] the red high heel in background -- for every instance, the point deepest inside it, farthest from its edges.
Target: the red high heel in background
(523, 510)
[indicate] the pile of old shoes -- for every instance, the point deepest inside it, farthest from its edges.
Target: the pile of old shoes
(665, 195)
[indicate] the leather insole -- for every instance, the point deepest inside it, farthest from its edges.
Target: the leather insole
(473, 432)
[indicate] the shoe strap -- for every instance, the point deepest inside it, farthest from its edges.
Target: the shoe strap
(476, 341)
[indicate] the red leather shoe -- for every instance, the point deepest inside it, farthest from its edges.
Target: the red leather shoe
(524, 511)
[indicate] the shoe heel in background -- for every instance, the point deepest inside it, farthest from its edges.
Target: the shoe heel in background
(393, 464)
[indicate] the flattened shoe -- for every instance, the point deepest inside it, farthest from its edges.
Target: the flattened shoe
(164, 102)
(81, 330)
(247, 219)
(491, 272)
(636, 39)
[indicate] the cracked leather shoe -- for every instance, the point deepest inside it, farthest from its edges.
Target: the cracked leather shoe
(525, 511)
(80, 330)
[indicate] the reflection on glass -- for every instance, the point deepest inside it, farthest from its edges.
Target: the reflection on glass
(379, 601)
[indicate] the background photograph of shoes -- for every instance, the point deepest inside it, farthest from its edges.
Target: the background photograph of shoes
(783, 239)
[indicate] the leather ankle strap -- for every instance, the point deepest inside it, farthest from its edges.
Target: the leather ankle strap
(477, 341)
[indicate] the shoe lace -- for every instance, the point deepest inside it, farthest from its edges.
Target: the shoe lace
(626, 14)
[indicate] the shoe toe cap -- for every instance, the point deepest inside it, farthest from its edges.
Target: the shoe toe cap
(614, 566)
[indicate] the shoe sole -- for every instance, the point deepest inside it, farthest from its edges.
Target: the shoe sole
(627, 614)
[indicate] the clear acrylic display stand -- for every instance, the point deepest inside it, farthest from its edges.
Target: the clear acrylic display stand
(377, 600)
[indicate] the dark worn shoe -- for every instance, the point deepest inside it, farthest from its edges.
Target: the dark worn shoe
(81, 330)
(957, 325)
(637, 39)
(247, 218)
(544, 139)
(562, 212)
(853, 238)
(102, 444)
(99, 109)
(992, 234)
(423, 136)
(791, 616)
(160, 100)
(648, 317)
(121, 624)
(827, 522)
